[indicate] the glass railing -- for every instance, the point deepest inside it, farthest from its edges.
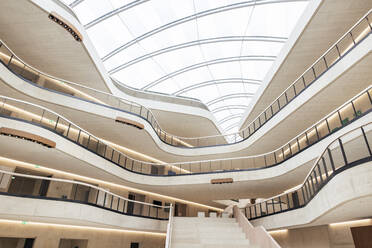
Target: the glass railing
(157, 96)
(352, 110)
(347, 151)
(51, 188)
(347, 42)
(344, 115)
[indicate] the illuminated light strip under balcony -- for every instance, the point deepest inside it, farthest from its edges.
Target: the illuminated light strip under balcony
(17, 61)
(352, 222)
(13, 163)
(278, 231)
(35, 223)
(121, 148)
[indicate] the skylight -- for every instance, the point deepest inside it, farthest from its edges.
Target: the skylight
(217, 51)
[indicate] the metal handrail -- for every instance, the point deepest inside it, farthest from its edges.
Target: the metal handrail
(316, 171)
(243, 134)
(144, 112)
(365, 91)
(321, 58)
(106, 192)
(174, 168)
(59, 118)
(168, 240)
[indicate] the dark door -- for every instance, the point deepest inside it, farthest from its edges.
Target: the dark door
(296, 203)
(130, 204)
(44, 187)
(362, 236)
(180, 209)
(176, 209)
(154, 170)
(29, 243)
(134, 245)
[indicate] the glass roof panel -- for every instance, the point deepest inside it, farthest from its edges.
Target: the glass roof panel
(89, 10)
(112, 38)
(192, 48)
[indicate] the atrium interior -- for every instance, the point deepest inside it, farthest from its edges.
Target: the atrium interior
(185, 124)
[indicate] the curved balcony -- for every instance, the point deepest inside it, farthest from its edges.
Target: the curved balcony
(346, 114)
(343, 46)
(345, 152)
(57, 189)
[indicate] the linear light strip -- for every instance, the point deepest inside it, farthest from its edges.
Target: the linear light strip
(13, 162)
(35, 223)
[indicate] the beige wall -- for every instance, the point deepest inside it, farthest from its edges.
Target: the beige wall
(5, 179)
(325, 236)
(49, 236)
(58, 189)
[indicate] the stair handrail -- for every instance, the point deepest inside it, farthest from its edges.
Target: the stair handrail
(168, 240)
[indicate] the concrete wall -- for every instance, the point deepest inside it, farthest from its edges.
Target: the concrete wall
(5, 179)
(49, 236)
(325, 236)
(59, 189)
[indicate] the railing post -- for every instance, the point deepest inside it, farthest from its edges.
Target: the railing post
(320, 173)
(342, 151)
(330, 159)
(338, 51)
(55, 127)
(366, 140)
(303, 195)
(317, 133)
(78, 136)
(355, 112)
(88, 141)
(11, 57)
(351, 35)
(369, 96)
(68, 129)
(325, 62)
(97, 148)
(329, 130)
(369, 24)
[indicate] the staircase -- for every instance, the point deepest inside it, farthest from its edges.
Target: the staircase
(199, 232)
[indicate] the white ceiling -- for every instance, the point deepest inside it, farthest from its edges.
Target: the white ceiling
(216, 51)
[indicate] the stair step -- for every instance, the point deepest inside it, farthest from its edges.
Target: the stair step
(203, 220)
(209, 246)
(207, 233)
(207, 229)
